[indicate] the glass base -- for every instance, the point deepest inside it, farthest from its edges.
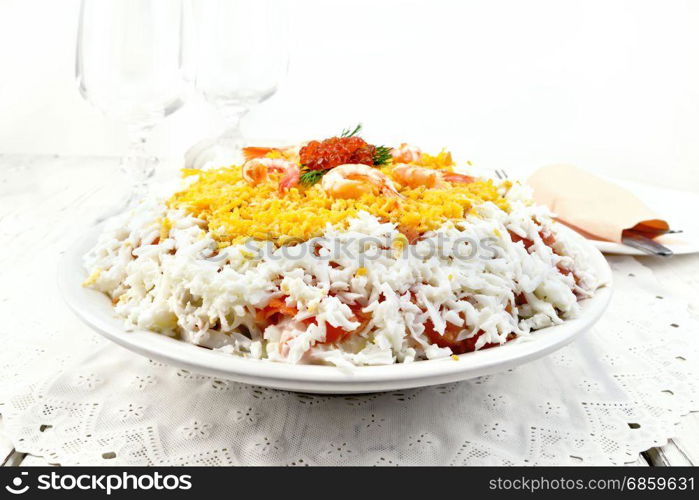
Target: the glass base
(122, 206)
(216, 152)
(139, 170)
(227, 155)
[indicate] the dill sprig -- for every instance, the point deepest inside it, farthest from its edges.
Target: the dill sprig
(382, 155)
(351, 133)
(310, 177)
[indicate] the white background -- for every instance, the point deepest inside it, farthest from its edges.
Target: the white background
(612, 86)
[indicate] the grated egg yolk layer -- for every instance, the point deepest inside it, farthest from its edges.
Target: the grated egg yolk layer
(235, 211)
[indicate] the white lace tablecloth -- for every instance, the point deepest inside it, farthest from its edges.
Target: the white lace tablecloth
(73, 398)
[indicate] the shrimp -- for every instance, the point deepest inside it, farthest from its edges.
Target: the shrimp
(406, 154)
(414, 176)
(352, 180)
(257, 170)
(290, 153)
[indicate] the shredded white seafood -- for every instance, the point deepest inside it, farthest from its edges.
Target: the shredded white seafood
(183, 286)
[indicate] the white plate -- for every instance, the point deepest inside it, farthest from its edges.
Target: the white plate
(95, 309)
(677, 207)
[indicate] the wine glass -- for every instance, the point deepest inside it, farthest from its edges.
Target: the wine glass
(128, 65)
(240, 55)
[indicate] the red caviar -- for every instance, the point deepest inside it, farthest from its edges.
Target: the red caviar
(336, 151)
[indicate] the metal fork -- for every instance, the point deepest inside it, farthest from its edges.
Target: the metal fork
(501, 174)
(631, 238)
(639, 241)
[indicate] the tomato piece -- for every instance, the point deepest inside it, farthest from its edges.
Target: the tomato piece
(335, 333)
(275, 311)
(515, 238)
(451, 332)
(549, 239)
(332, 333)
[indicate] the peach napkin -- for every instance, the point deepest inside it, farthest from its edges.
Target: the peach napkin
(591, 205)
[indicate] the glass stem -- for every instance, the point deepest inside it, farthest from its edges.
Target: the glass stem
(232, 135)
(137, 164)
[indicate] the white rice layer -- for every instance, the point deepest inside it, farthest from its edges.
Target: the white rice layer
(466, 273)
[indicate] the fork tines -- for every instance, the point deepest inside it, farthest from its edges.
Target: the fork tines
(501, 174)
